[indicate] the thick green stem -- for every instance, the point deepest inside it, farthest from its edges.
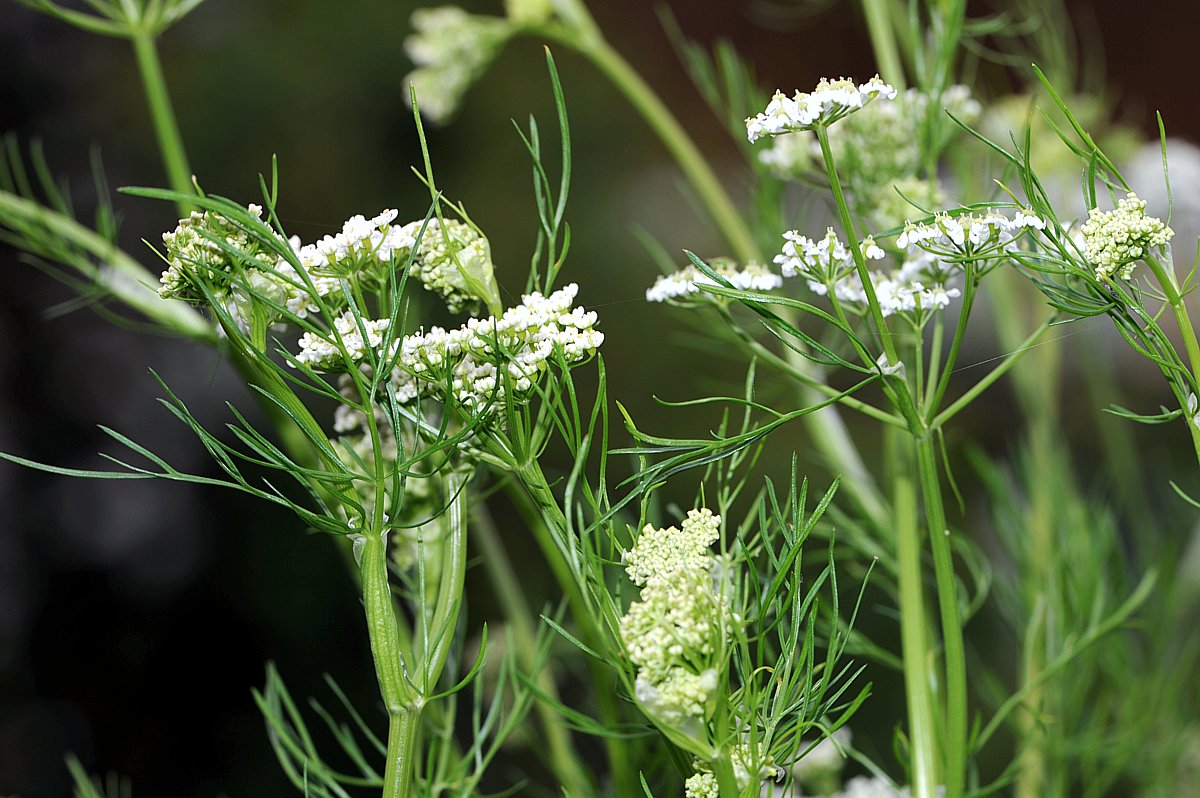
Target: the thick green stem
(914, 640)
(401, 753)
(1032, 778)
(440, 632)
(399, 698)
(954, 742)
(727, 785)
(166, 129)
(382, 628)
(561, 757)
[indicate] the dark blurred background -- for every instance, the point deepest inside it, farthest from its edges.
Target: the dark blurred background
(135, 617)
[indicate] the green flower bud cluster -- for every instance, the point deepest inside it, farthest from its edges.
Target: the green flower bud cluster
(1116, 240)
(198, 249)
(454, 260)
(674, 633)
(703, 783)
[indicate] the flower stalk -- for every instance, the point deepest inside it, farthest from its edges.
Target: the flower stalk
(162, 114)
(914, 640)
(1165, 277)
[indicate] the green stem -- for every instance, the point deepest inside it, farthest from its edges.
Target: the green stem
(399, 697)
(970, 285)
(802, 375)
(1166, 280)
(401, 754)
(382, 628)
(673, 135)
(883, 42)
(563, 762)
(450, 581)
(550, 529)
(914, 640)
(860, 262)
(727, 785)
(955, 734)
(1044, 496)
(166, 129)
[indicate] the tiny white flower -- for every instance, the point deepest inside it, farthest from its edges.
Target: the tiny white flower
(830, 101)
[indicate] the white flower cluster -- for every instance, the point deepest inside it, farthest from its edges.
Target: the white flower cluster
(480, 362)
(933, 256)
(1116, 240)
(752, 277)
(883, 141)
(376, 238)
(968, 234)
(827, 262)
(828, 102)
(373, 247)
(673, 634)
(451, 259)
(363, 248)
(701, 784)
(880, 148)
(323, 354)
(450, 49)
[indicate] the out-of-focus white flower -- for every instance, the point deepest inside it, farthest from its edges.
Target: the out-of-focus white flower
(528, 12)
(872, 787)
(820, 766)
(450, 49)
(830, 101)
(687, 281)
